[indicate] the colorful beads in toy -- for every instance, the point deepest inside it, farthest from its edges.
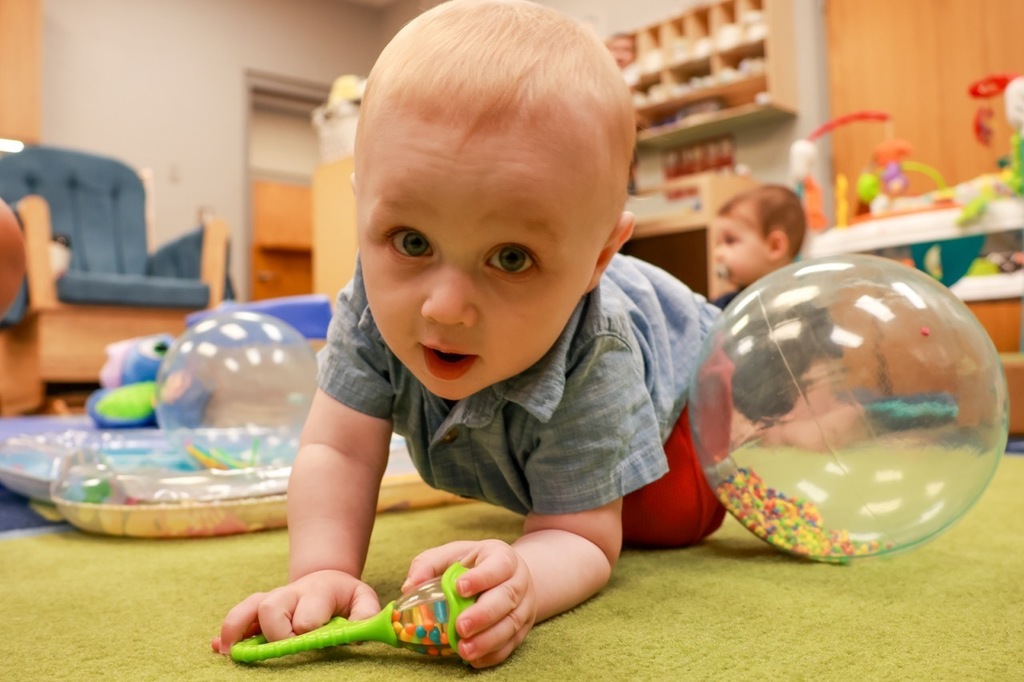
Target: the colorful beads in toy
(423, 628)
(793, 525)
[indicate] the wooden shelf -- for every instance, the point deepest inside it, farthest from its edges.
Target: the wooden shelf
(701, 126)
(750, 94)
(740, 90)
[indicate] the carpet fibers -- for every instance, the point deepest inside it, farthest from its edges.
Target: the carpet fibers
(81, 607)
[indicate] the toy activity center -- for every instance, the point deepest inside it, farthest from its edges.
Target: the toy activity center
(177, 217)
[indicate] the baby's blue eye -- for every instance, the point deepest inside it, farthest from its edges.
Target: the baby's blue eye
(411, 243)
(511, 259)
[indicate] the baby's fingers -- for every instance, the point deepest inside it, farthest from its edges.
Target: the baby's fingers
(494, 644)
(365, 603)
(311, 611)
(433, 562)
(492, 563)
(239, 622)
(276, 612)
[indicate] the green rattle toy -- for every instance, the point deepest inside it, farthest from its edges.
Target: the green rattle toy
(422, 621)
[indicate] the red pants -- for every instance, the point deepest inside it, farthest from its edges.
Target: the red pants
(677, 510)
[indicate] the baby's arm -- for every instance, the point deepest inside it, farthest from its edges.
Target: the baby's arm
(332, 500)
(559, 561)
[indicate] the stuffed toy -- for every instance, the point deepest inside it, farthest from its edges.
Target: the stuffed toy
(127, 396)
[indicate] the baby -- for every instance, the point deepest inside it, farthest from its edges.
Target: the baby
(492, 323)
(623, 48)
(756, 233)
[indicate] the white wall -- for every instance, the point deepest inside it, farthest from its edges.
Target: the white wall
(162, 84)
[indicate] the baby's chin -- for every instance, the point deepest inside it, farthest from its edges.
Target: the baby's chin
(451, 392)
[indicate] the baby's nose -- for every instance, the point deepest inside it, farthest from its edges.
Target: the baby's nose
(449, 301)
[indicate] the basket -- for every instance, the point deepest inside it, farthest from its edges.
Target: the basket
(336, 126)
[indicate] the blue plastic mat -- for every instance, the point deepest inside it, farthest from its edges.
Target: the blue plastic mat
(16, 514)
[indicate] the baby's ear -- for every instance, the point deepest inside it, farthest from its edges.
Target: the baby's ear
(778, 243)
(619, 235)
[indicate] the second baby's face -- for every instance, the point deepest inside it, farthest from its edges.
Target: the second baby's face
(741, 253)
(475, 249)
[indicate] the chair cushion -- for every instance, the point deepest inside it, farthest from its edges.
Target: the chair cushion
(183, 258)
(93, 288)
(97, 202)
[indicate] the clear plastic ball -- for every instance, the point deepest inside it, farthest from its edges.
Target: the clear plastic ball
(848, 407)
(233, 391)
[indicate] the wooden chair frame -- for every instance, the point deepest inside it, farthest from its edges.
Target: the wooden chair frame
(62, 343)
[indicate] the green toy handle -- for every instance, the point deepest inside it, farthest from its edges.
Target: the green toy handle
(423, 621)
(335, 632)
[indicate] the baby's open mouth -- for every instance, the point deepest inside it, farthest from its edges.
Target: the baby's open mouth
(447, 366)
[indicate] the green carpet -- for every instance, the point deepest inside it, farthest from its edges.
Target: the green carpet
(81, 607)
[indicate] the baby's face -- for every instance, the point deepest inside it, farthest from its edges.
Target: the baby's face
(475, 252)
(623, 49)
(740, 249)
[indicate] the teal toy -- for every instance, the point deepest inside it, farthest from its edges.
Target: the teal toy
(128, 396)
(422, 621)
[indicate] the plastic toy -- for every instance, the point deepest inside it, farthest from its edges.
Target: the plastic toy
(233, 390)
(422, 621)
(865, 408)
(881, 187)
(802, 156)
(976, 194)
(128, 381)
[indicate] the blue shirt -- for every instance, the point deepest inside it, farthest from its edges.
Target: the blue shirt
(580, 428)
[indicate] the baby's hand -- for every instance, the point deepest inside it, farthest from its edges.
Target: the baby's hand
(298, 607)
(506, 605)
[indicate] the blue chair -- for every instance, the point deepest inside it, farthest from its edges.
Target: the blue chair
(113, 289)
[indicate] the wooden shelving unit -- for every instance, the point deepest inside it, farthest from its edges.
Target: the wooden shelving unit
(713, 69)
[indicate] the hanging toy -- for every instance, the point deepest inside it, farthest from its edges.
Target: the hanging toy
(422, 621)
(802, 156)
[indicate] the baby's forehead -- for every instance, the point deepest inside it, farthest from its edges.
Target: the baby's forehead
(742, 215)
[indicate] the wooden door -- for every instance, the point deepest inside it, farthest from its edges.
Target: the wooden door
(282, 218)
(915, 59)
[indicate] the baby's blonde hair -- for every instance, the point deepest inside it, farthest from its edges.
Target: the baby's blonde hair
(494, 65)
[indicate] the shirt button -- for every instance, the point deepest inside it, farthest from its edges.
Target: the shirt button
(451, 436)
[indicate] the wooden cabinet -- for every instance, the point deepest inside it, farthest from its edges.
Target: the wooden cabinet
(21, 38)
(713, 68)
(282, 239)
(334, 227)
